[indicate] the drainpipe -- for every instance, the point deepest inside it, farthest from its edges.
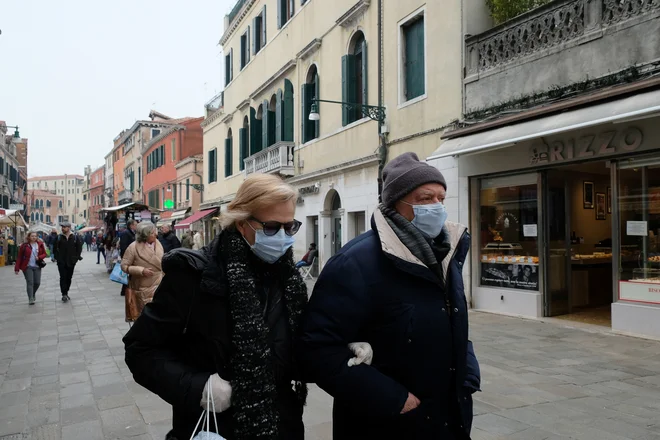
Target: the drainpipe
(382, 137)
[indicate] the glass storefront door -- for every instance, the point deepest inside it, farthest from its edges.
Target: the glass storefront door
(556, 209)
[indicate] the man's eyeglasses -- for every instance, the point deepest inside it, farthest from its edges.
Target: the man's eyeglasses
(272, 228)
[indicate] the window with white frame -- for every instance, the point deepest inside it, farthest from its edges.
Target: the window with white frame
(412, 57)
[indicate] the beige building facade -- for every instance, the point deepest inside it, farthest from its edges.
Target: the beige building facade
(71, 187)
(280, 56)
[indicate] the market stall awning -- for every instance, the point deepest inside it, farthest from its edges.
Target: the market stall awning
(11, 217)
(178, 215)
(168, 217)
(118, 208)
(195, 218)
(634, 107)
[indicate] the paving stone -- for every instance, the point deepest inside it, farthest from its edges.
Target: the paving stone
(78, 415)
(76, 401)
(90, 430)
(46, 432)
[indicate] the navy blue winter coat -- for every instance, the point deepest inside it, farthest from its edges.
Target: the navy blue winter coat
(374, 290)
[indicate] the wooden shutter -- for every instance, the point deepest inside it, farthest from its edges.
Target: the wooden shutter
(228, 157)
(279, 116)
(317, 94)
(287, 122)
(227, 71)
(247, 45)
(365, 77)
(210, 167)
(231, 64)
(271, 128)
(243, 147)
(280, 12)
(414, 65)
(264, 126)
(255, 34)
(348, 87)
(304, 112)
(263, 27)
(255, 133)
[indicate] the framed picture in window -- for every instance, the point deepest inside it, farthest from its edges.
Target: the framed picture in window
(609, 200)
(588, 195)
(601, 206)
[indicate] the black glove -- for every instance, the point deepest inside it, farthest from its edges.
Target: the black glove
(79, 258)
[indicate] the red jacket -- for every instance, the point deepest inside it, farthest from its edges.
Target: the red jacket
(24, 253)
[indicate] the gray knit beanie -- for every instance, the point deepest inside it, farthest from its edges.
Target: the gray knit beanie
(403, 174)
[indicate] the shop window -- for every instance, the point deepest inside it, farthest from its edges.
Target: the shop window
(508, 249)
(412, 64)
(245, 48)
(310, 91)
(229, 66)
(354, 79)
(639, 230)
(243, 143)
(213, 165)
(259, 31)
(285, 11)
(228, 154)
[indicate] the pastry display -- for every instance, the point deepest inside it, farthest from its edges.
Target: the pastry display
(508, 259)
(654, 259)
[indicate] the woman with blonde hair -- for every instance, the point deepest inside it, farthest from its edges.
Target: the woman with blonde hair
(142, 262)
(223, 322)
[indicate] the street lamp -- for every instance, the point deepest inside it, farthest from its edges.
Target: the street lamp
(373, 112)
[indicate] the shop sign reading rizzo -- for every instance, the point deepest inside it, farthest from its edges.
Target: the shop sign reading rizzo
(603, 144)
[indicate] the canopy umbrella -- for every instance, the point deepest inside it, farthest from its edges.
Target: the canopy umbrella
(11, 217)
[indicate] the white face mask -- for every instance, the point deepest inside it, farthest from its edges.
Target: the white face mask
(430, 219)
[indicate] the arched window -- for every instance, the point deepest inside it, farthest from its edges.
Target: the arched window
(244, 143)
(60, 204)
(228, 154)
(310, 91)
(354, 78)
(32, 217)
(41, 217)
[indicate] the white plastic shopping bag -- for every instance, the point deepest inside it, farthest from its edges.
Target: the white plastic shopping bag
(210, 403)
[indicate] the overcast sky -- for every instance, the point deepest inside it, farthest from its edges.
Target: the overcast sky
(74, 73)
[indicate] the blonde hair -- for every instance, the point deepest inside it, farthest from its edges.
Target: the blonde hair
(256, 192)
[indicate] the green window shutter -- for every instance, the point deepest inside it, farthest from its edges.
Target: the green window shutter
(187, 189)
(317, 94)
(174, 195)
(247, 45)
(139, 176)
(228, 157)
(348, 87)
(414, 65)
(279, 116)
(264, 126)
(210, 167)
(255, 35)
(287, 129)
(255, 133)
(304, 112)
(244, 150)
(280, 12)
(227, 72)
(162, 154)
(271, 128)
(264, 40)
(365, 77)
(231, 64)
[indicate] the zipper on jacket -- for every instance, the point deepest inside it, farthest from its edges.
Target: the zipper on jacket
(447, 302)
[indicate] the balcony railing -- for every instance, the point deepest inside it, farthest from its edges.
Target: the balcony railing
(560, 44)
(125, 195)
(277, 158)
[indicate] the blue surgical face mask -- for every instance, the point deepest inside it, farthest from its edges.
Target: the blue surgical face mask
(270, 248)
(430, 218)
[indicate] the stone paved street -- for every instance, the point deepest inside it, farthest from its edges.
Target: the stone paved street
(62, 373)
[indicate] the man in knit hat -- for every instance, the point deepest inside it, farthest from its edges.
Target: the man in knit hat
(399, 289)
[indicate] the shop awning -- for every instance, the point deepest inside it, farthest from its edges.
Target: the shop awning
(118, 208)
(635, 107)
(168, 217)
(195, 218)
(89, 229)
(178, 215)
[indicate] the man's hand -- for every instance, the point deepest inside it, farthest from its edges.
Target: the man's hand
(147, 272)
(16, 272)
(411, 403)
(363, 352)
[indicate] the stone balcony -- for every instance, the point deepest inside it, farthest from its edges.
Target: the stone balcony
(560, 44)
(277, 158)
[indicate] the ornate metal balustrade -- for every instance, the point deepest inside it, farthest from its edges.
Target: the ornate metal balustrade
(547, 27)
(277, 158)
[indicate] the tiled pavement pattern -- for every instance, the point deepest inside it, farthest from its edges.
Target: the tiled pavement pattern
(62, 373)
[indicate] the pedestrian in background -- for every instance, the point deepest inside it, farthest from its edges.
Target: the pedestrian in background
(187, 240)
(398, 287)
(50, 242)
(100, 249)
(198, 240)
(31, 256)
(168, 239)
(125, 240)
(88, 240)
(142, 263)
(68, 250)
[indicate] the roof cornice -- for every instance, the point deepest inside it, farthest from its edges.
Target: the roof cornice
(239, 18)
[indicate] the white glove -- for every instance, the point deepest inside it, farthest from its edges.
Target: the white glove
(220, 394)
(363, 353)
